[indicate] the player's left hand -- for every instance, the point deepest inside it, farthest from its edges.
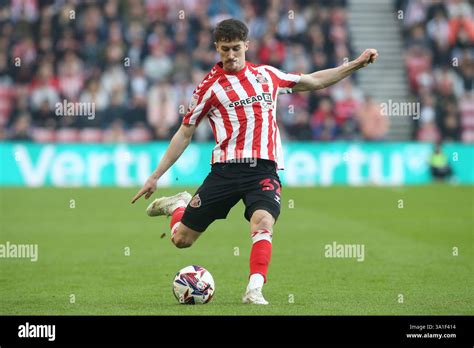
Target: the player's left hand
(367, 57)
(148, 188)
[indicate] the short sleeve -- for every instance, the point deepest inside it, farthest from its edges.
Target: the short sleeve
(286, 81)
(201, 103)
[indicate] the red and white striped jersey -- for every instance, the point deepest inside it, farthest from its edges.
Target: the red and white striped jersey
(241, 110)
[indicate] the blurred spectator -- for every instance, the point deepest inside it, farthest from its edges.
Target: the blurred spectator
(418, 61)
(327, 130)
(427, 112)
(347, 99)
(466, 108)
(373, 125)
(255, 23)
(447, 82)
(438, 32)
(428, 132)
(300, 128)
(323, 123)
(7, 91)
(450, 129)
(94, 93)
(449, 123)
(136, 112)
(439, 165)
(296, 59)
(418, 37)
(157, 66)
(136, 37)
(415, 12)
(91, 49)
(272, 51)
(44, 88)
(21, 130)
(71, 78)
(461, 25)
(115, 111)
(44, 115)
(25, 50)
(138, 83)
(293, 117)
(319, 60)
(27, 10)
(162, 110)
(115, 80)
(292, 25)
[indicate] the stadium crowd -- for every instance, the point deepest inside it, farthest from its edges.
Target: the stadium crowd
(439, 58)
(138, 61)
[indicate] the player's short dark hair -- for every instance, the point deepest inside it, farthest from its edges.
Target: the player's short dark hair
(230, 30)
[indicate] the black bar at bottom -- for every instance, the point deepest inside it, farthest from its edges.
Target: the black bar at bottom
(411, 330)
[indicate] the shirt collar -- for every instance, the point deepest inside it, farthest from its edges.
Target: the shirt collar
(237, 73)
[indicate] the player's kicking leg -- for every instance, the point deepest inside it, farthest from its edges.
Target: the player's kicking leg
(174, 206)
(261, 224)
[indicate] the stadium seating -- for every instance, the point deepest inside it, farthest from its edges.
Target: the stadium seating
(121, 56)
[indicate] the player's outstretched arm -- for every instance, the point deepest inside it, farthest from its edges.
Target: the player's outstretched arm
(325, 78)
(178, 144)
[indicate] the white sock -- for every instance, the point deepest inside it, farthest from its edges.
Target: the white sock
(256, 281)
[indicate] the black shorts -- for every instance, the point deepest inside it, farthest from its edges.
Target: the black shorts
(256, 183)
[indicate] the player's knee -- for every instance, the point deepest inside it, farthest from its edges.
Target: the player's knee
(262, 220)
(266, 222)
(182, 242)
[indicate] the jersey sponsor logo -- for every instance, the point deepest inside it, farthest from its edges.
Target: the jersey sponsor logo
(260, 98)
(195, 202)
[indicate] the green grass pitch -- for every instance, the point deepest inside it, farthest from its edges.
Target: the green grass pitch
(408, 251)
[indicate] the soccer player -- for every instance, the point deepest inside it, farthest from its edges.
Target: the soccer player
(239, 100)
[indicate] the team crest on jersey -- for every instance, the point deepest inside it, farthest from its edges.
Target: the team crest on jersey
(193, 103)
(262, 79)
(195, 202)
(227, 88)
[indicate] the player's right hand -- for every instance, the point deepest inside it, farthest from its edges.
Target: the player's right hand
(148, 188)
(367, 57)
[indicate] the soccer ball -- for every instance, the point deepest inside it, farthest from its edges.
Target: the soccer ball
(193, 285)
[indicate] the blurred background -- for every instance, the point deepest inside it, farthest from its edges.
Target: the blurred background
(137, 62)
(92, 91)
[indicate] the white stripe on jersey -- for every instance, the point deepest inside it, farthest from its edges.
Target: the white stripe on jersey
(243, 94)
(223, 99)
(220, 133)
(278, 153)
(200, 97)
(265, 115)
